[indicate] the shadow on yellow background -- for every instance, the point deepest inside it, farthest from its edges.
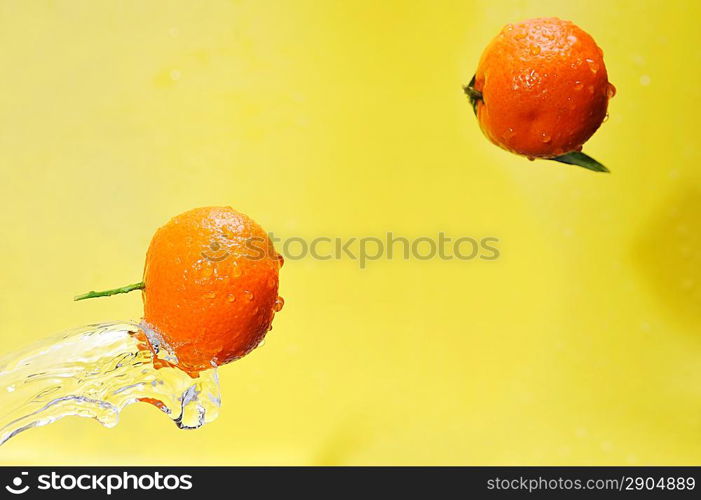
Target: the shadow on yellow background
(669, 254)
(579, 345)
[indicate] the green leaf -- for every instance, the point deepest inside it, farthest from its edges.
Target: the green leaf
(581, 160)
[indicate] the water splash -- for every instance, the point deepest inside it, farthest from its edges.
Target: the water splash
(96, 371)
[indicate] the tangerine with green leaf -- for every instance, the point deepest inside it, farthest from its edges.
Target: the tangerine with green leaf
(210, 287)
(541, 90)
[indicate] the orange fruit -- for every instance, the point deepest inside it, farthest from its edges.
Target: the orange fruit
(541, 88)
(211, 286)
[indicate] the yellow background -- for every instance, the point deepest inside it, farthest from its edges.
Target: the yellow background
(580, 345)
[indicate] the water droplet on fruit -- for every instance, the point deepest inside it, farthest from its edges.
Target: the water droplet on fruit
(606, 118)
(279, 304)
(509, 133)
(578, 86)
(593, 66)
(236, 271)
(545, 137)
(248, 294)
(228, 233)
(211, 295)
(231, 297)
(531, 158)
(535, 50)
(281, 259)
(610, 90)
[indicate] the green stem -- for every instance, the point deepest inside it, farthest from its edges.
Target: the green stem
(474, 94)
(107, 293)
